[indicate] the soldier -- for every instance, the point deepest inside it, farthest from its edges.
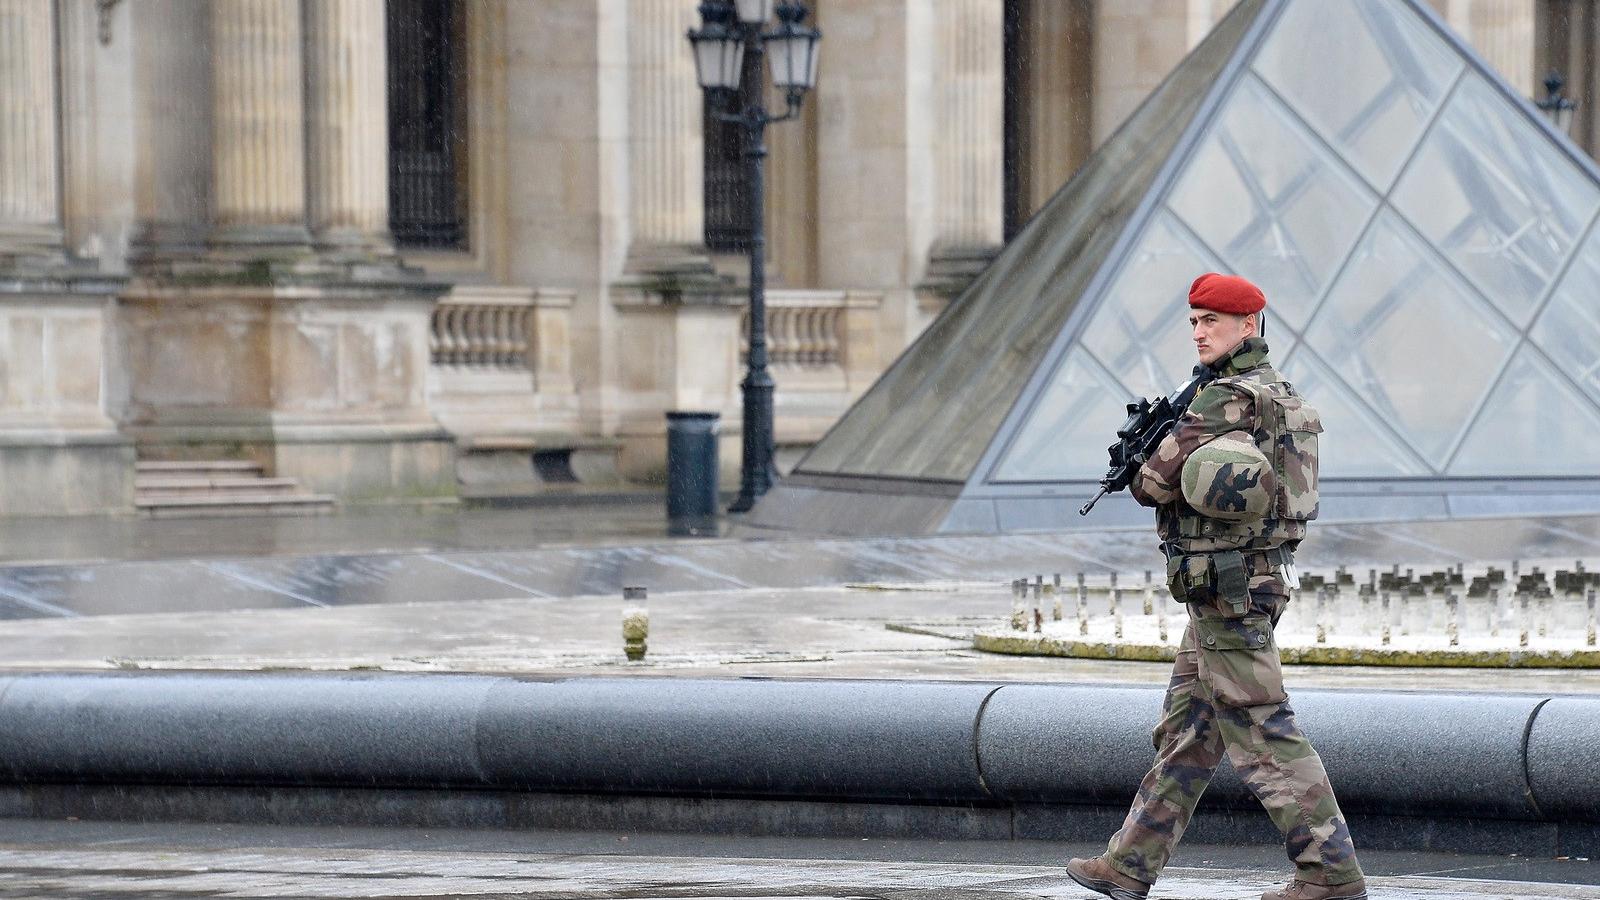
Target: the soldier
(1233, 485)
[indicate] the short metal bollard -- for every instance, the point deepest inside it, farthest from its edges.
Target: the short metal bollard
(692, 473)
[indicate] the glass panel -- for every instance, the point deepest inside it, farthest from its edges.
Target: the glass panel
(1066, 434)
(937, 409)
(1569, 329)
(1141, 331)
(1353, 444)
(1280, 210)
(1497, 197)
(1412, 340)
(1535, 424)
(1392, 70)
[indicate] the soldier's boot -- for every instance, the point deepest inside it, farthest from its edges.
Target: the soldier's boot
(1305, 890)
(1097, 875)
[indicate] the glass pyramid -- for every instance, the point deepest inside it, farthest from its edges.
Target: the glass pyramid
(1426, 243)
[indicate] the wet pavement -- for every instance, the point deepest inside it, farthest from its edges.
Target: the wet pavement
(81, 860)
(585, 519)
(793, 608)
(433, 561)
(791, 633)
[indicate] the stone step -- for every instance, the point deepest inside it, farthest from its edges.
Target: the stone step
(219, 487)
(168, 486)
(235, 503)
(198, 467)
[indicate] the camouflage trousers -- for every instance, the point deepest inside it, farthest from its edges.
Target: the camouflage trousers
(1226, 695)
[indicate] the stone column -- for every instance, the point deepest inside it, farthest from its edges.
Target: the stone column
(60, 452)
(969, 141)
(30, 212)
(258, 173)
(347, 121)
(969, 155)
(665, 141)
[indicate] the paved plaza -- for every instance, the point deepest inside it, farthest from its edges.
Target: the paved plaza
(772, 633)
(81, 860)
(496, 591)
(536, 591)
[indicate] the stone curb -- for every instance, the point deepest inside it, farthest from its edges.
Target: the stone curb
(1513, 758)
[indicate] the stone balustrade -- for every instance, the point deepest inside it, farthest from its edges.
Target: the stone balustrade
(493, 332)
(799, 334)
(502, 362)
(824, 350)
(809, 329)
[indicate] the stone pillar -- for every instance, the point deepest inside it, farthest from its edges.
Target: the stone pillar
(1135, 46)
(258, 121)
(675, 356)
(347, 124)
(665, 141)
(168, 43)
(59, 451)
(30, 212)
(968, 143)
(258, 349)
(968, 164)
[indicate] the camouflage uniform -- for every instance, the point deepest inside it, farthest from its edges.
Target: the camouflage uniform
(1226, 692)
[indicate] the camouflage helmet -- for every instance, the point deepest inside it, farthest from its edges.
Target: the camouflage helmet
(1229, 478)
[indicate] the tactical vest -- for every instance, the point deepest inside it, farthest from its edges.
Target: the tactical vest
(1285, 431)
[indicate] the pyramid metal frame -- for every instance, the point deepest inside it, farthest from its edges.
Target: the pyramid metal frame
(983, 504)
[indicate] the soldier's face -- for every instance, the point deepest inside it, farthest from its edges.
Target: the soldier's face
(1216, 334)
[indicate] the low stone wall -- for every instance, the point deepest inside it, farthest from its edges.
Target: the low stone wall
(965, 759)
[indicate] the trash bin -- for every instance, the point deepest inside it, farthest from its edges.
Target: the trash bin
(692, 472)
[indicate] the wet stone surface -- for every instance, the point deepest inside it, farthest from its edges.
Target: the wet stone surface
(832, 633)
(113, 868)
(114, 568)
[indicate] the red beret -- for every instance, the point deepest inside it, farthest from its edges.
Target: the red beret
(1226, 294)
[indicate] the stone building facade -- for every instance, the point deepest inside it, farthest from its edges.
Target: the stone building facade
(416, 249)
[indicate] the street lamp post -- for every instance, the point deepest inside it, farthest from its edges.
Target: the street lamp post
(729, 31)
(1556, 105)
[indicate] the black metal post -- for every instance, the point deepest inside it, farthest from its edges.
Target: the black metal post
(756, 467)
(756, 473)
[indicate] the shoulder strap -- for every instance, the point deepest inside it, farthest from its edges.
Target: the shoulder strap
(1259, 397)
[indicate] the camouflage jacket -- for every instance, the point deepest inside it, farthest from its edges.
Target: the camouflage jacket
(1221, 407)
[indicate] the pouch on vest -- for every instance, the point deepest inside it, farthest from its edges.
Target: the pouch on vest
(1296, 457)
(1294, 425)
(1232, 581)
(1189, 578)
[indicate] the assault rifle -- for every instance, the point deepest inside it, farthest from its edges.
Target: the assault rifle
(1138, 437)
